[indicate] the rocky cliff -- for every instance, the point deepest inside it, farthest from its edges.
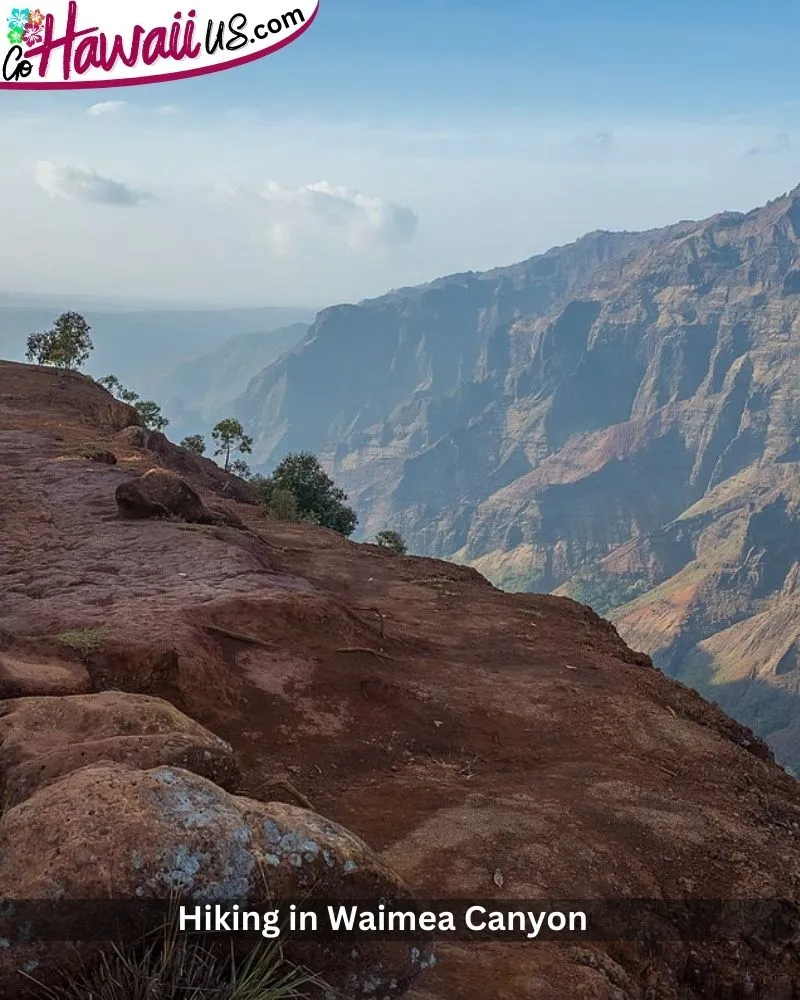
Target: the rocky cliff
(197, 393)
(175, 685)
(618, 419)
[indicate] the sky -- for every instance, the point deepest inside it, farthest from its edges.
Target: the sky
(396, 142)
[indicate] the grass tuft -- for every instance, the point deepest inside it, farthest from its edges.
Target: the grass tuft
(172, 966)
(84, 640)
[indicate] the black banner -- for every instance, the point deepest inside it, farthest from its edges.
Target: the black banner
(641, 920)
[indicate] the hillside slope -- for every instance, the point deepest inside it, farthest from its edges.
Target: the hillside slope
(459, 730)
(618, 419)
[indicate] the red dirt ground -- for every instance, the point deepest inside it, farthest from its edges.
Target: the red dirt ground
(457, 729)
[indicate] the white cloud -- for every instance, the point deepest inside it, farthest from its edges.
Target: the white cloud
(489, 192)
(81, 184)
(168, 110)
(106, 108)
(356, 219)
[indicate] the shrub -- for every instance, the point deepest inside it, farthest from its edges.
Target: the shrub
(240, 468)
(318, 499)
(393, 541)
(84, 640)
(282, 505)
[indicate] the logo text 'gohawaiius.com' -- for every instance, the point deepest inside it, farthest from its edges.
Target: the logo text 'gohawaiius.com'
(94, 43)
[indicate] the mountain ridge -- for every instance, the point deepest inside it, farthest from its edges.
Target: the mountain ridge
(556, 423)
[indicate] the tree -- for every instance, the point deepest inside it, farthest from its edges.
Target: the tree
(116, 388)
(150, 412)
(318, 498)
(110, 383)
(393, 541)
(152, 417)
(67, 345)
(195, 443)
(229, 436)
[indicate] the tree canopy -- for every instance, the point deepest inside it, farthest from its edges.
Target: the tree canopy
(67, 345)
(195, 443)
(315, 495)
(230, 438)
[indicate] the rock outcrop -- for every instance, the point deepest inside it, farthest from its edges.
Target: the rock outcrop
(160, 493)
(482, 744)
(45, 739)
(110, 832)
(615, 420)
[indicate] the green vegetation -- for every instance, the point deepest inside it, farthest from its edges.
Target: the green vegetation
(84, 640)
(513, 582)
(149, 411)
(67, 345)
(229, 437)
(168, 965)
(393, 541)
(300, 490)
(195, 443)
(113, 385)
(240, 468)
(279, 504)
(151, 414)
(602, 592)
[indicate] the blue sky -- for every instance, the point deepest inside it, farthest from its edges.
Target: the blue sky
(394, 142)
(443, 58)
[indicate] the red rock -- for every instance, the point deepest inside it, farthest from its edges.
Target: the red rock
(304, 650)
(44, 739)
(107, 832)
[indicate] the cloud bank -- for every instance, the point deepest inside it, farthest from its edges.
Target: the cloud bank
(80, 184)
(256, 208)
(357, 220)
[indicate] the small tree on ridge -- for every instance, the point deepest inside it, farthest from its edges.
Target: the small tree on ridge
(150, 412)
(229, 436)
(393, 541)
(67, 345)
(195, 443)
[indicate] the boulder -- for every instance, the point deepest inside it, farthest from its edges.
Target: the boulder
(161, 493)
(44, 739)
(23, 674)
(106, 832)
(146, 440)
